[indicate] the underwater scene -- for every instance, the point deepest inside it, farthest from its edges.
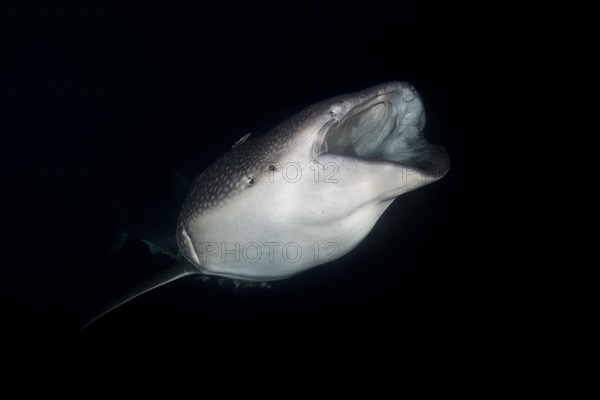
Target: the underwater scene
(267, 173)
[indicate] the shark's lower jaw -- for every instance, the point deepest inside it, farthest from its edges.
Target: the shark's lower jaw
(386, 127)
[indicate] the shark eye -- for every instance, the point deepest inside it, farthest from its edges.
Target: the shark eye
(335, 111)
(272, 168)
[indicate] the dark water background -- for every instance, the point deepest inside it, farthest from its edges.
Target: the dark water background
(139, 89)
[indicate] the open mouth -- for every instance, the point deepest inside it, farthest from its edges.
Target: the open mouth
(386, 127)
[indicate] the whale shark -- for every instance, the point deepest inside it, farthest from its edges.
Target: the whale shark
(305, 193)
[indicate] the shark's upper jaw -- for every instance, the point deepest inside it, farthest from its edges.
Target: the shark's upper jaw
(383, 125)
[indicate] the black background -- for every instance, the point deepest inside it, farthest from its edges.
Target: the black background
(139, 89)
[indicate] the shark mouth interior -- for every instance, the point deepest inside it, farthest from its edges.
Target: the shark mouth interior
(387, 128)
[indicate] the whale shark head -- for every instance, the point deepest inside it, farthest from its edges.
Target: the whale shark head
(311, 189)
